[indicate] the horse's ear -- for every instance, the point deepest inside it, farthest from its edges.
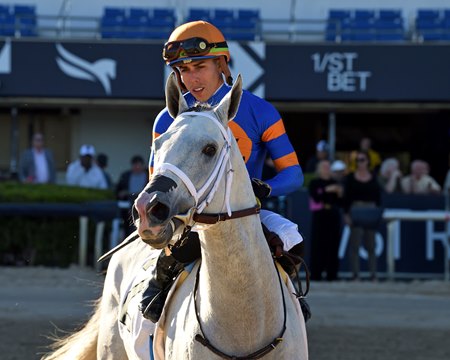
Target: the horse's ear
(175, 101)
(229, 105)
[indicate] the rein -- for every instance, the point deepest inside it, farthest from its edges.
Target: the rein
(215, 218)
(201, 338)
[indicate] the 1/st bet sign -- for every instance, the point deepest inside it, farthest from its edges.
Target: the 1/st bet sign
(341, 73)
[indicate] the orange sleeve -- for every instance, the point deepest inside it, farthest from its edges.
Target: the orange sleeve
(286, 161)
(274, 131)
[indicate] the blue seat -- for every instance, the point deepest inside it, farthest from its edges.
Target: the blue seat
(434, 36)
(427, 14)
(223, 14)
(111, 12)
(4, 10)
(7, 25)
(162, 22)
(136, 13)
(390, 36)
(112, 27)
(385, 14)
(339, 14)
(364, 14)
(24, 10)
(251, 15)
(428, 24)
(164, 13)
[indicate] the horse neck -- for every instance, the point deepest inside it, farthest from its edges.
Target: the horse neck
(239, 288)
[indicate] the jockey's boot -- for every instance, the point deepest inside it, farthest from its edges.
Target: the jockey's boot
(164, 274)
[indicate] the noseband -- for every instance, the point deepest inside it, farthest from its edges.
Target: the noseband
(203, 197)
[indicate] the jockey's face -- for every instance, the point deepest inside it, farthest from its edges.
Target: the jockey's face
(202, 78)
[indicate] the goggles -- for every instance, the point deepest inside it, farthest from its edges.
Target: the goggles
(195, 46)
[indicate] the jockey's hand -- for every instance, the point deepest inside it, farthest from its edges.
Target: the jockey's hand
(261, 189)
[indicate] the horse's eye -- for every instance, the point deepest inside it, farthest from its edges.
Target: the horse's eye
(209, 150)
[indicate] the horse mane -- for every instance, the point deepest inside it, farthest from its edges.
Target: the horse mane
(199, 107)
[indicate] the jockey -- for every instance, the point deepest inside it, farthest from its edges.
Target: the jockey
(198, 54)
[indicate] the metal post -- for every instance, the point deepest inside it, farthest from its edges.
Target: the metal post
(332, 134)
(447, 236)
(393, 232)
(14, 144)
(83, 240)
(98, 247)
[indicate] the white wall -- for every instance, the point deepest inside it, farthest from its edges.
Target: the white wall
(120, 134)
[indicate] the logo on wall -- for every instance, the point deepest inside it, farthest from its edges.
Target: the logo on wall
(342, 72)
(248, 59)
(5, 58)
(102, 71)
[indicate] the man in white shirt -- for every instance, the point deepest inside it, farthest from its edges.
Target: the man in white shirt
(84, 172)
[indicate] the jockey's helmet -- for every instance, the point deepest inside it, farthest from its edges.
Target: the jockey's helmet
(197, 40)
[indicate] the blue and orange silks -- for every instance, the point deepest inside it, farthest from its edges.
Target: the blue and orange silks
(259, 130)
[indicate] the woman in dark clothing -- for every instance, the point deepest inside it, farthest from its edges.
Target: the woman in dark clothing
(362, 213)
(325, 196)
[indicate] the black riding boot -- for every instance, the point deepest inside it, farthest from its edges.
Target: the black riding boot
(164, 274)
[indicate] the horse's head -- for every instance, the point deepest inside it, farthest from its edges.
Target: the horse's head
(194, 162)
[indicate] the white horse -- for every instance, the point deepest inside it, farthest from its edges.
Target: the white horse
(232, 306)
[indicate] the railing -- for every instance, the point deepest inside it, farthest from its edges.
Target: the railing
(393, 217)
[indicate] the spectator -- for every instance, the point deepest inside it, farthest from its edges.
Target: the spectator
(362, 194)
(419, 182)
(102, 162)
(325, 198)
(322, 153)
(390, 176)
(84, 172)
(338, 171)
(447, 179)
(36, 163)
(130, 184)
(375, 159)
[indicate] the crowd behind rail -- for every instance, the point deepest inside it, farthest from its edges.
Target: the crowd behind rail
(341, 192)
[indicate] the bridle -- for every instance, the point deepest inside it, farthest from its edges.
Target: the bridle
(202, 199)
(203, 196)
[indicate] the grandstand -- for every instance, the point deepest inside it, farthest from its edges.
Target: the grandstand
(334, 69)
(240, 24)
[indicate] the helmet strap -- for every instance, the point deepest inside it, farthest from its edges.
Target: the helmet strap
(226, 70)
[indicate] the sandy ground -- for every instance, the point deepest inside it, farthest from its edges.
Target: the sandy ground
(351, 321)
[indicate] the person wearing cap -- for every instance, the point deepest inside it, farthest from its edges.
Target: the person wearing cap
(322, 153)
(198, 54)
(338, 171)
(84, 172)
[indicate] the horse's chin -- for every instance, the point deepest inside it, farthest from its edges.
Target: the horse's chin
(157, 236)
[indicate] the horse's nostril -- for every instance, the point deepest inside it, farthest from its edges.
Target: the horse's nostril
(159, 211)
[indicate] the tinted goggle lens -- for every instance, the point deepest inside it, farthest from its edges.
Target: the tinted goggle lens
(190, 47)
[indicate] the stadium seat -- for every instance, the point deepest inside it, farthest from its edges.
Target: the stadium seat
(223, 14)
(111, 12)
(429, 14)
(364, 14)
(389, 14)
(164, 13)
(7, 25)
(250, 15)
(138, 13)
(4, 10)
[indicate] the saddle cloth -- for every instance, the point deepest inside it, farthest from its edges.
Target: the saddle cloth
(144, 340)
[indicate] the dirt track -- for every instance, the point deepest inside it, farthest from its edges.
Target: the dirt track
(351, 321)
